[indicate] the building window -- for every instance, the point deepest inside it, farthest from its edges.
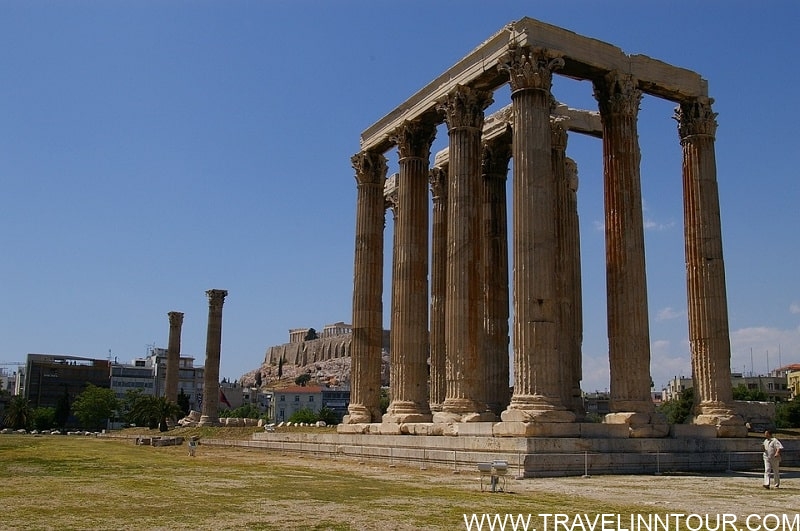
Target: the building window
(297, 398)
(283, 398)
(311, 398)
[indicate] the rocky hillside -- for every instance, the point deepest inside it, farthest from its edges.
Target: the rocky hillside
(331, 372)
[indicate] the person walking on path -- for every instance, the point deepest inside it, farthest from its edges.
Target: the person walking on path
(772, 459)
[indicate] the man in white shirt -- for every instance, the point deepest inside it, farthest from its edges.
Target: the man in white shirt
(772, 459)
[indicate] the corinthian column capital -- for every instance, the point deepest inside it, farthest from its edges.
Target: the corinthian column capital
(175, 318)
(464, 106)
(558, 134)
(370, 167)
(618, 94)
(414, 139)
(216, 298)
(695, 117)
(438, 181)
(529, 68)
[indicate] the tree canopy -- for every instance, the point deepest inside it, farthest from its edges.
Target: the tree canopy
(19, 413)
(94, 406)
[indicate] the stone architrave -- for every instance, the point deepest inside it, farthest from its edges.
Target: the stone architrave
(210, 414)
(367, 326)
(173, 356)
(466, 386)
(409, 337)
(705, 271)
(537, 392)
(494, 239)
(628, 329)
(438, 376)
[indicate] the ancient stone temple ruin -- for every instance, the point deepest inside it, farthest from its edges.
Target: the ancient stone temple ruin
(449, 367)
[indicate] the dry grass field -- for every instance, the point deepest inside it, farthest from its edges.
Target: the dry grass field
(76, 482)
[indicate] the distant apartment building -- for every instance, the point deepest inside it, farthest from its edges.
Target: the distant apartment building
(48, 378)
(233, 396)
(287, 401)
(8, 380)
(131, 377)
(292, 399)
(775, 385)
(190, 378)
(336, 399)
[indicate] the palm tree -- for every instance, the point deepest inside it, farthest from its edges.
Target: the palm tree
(19, 413)
(153, 411)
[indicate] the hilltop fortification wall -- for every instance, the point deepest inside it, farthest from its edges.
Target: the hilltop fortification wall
(305, 352)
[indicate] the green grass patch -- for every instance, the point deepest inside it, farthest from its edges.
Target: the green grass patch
(75, 482)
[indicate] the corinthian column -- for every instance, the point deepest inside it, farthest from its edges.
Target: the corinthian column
(494, 240)
(465, 401)
(537, 374)
(367, 342)
(570, 254)
(628, 330)
(209, 417)
(173, 356)
(438, 377)
(409, 337)
(705, 271)
(567, 260)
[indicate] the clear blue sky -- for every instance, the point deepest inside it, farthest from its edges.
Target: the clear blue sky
(152, 150)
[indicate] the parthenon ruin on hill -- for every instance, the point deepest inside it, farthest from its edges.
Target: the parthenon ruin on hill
(463, 326)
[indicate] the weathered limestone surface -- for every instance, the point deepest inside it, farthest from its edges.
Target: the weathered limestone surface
(585, 58)
(466, 385)
(547, 323)
(173, 356)
(311, 351)
(705, 271)
(367, 288)
(216, 298)
(626, 285)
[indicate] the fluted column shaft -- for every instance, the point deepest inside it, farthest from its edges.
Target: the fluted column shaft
(173, 356)
(463, 109)
(367, 326)
(438, 377)
(705, 270)
(537, 392)
(628, 328)
(565, 216)
(409, 338)
(494, 240)
(210, 413)
(572, 326)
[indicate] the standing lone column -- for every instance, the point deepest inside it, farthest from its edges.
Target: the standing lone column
(537, 382)
(628, 329)
(173, 356)
(494, 244)
(705, 272)
(209, 417)
(367, 342)
(438, 377)
(466, 380)
(409, 336)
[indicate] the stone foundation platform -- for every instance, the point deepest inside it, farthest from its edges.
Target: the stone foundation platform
(532, 456)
